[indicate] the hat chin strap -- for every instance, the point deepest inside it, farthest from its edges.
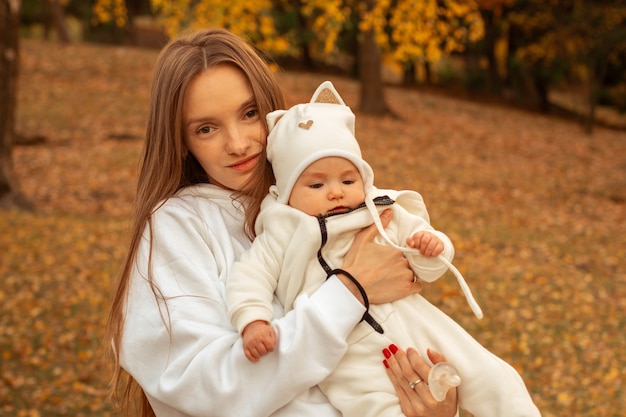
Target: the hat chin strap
(466, 290)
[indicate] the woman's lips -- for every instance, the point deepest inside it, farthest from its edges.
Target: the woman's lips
(245, 164)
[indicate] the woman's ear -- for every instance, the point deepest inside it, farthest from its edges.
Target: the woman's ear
(184, 150)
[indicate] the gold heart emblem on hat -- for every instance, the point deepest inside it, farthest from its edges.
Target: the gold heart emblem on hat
(306, 125)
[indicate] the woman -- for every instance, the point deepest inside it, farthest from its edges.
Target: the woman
(202, 179)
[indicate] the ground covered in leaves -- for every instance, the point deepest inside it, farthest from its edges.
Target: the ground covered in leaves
(536, 209)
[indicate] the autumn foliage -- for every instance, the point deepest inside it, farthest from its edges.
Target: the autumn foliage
(535, 207)
(406, 30)
(524, 50)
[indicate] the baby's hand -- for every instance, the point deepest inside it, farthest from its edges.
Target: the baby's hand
(259, 339)
(428, 244)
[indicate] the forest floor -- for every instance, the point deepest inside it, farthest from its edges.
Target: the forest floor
(536, 209)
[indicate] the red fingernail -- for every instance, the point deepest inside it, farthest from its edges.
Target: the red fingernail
(386, 353)
(393, 348)
(386, 364)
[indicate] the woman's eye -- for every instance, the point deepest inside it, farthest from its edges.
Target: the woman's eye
(204, 130)
(252, 113)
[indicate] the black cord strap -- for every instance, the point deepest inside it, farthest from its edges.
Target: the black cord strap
(357, 283)
(366, 316)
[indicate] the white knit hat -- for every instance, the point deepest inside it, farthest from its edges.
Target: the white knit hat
(308, 132)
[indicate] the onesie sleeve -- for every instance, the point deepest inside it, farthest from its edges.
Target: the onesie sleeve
(405, 224)
(180, 346)
(251, 285)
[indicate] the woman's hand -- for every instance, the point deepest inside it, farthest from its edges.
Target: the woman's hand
(382, 271)
(404, 370)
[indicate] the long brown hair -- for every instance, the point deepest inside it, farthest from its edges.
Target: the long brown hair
(166, 166)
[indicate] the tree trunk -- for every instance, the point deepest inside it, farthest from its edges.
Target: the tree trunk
(428, 71)
(409, 78)
(542, 87)
(490, 38)
(58, 19)
(303, 32)
(597, 64)
(10, 196)
(370, 75)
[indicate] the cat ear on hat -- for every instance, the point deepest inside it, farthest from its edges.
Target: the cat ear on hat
(326, 93)
(273, 118)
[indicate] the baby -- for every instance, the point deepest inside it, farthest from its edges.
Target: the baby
(323, 196)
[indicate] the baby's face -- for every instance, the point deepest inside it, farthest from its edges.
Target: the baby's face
(330, 184)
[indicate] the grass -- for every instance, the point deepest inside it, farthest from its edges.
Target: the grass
(535, 207)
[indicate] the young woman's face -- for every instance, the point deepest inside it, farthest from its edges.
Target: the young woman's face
(223, 128)
(328, 185)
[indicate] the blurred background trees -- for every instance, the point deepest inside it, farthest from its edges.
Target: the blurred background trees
(579, 43)
(524, 51)
(521, 50)
(353, 36)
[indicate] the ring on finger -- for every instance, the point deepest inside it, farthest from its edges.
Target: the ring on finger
(412, 385)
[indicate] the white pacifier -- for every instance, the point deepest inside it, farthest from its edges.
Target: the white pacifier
(441, 378)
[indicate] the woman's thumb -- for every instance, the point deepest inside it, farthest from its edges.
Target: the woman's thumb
(370, 232)
(434, 356)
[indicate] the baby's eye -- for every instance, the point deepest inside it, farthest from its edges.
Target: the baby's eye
(317, 185)
(348, 182)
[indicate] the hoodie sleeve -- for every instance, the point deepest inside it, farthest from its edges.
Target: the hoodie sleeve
(178, 342)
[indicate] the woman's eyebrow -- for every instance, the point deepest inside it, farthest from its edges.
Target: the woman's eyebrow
(251, 102)
(203, 119)
(197, 120)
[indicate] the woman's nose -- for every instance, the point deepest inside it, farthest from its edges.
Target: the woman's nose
(237, 143)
